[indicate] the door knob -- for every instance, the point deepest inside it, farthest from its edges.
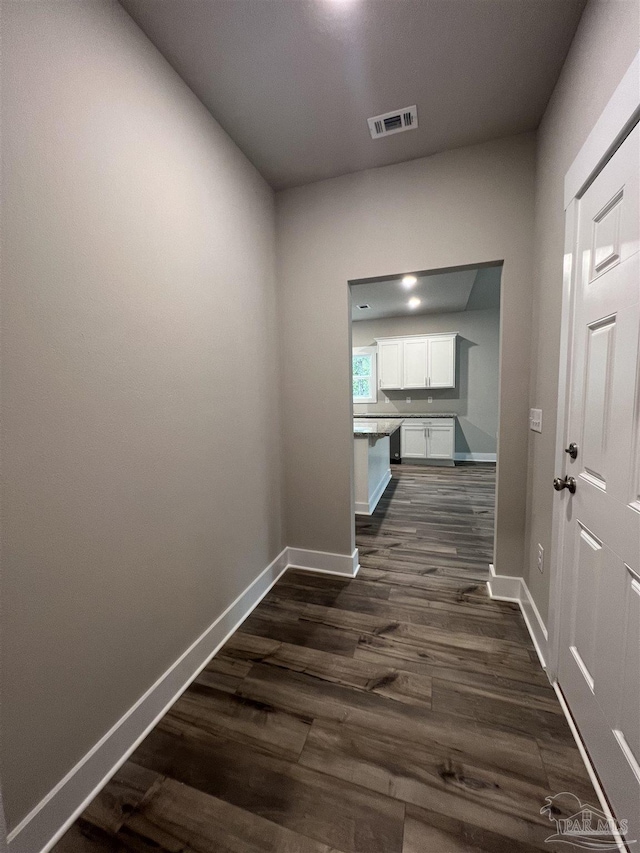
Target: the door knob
(567, 483)
(572, 450)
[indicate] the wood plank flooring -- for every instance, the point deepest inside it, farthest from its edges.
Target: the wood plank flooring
(400, 712)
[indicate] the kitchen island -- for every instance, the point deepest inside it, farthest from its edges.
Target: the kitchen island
(372, 467)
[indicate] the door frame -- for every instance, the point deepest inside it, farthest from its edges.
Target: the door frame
(617, 120)
(498, 262)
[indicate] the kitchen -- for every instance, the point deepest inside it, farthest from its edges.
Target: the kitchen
(425, 351)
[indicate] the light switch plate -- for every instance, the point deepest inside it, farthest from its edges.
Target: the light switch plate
(535, 420)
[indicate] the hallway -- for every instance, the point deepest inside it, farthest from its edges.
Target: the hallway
(400, 712)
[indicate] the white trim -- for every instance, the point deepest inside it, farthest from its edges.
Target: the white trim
(538, 634)
(593, 776)
(557, 521)
(46, 823)
(54, 814)
(363, 508)
(515, 589)
(325, 563)
(503, 587)
(614, 124)
(475, 457)
(533, 620)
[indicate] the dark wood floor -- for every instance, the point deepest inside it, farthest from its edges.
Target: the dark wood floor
(400, 712)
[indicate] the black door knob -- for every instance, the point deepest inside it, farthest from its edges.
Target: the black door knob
(561, 483)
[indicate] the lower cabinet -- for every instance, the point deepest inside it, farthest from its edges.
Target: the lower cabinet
(440, 440)
(413, 441)
(428, 438)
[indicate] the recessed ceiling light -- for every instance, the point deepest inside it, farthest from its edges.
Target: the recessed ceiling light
(409, 280)
(414, 302)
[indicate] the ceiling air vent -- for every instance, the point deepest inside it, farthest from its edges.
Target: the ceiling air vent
(395, 122)
(363, 307)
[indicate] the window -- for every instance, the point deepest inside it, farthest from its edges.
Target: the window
(365, 388)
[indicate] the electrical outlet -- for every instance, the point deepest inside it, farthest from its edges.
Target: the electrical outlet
(429, 399)
(535, 420)
(540, 558)
(407, 399)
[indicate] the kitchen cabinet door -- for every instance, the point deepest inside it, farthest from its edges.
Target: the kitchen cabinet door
(390, 364)
(439, 441)
(413, 441)
(415, 353)
(442, 361)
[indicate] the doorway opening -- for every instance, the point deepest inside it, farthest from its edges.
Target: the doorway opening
(425, 392)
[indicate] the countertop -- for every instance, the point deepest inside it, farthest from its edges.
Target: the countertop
(389, 416)
(375, 428)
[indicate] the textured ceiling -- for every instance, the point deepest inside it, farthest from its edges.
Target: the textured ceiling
(439, 293)
(294, 81)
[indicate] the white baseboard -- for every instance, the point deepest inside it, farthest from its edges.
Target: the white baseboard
(533, 620)
(49, 820)
(362, 508)
(503, 587)
(325, 563)
(593, 776)
(511, 588)
(475, 457)
(540, 638)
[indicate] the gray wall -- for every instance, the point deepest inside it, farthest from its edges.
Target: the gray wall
(463, 207)
(140, 386)
(605, 43)
(474, 399)
(141, 456)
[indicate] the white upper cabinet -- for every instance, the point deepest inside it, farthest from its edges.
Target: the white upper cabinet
(418, 361)
(390, 363)
(415, 370)
(442, 361)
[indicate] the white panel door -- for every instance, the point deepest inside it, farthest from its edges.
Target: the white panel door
(413, 439)
(415, 363)
(440, 442)
(390, 364)
(599, 660)
(442, 362)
